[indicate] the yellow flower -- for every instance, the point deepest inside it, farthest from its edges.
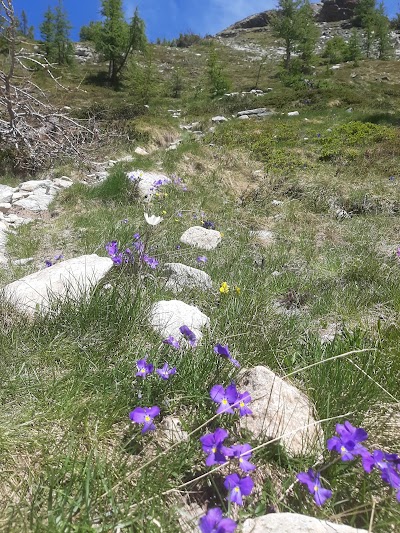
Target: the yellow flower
(224, 289)
(165, 195)
(221, 234)
(237, 290)
(157, 194)
(163, 212)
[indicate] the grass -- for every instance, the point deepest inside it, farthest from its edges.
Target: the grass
(71, 459)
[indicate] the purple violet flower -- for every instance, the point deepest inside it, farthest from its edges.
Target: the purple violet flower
(224, 351)
(348, 442)
(48, 263)
(312, 480)
(150, 261)
(165, 372)
(144, 368)
(243, 399)
(113, 252)
(243, 453)
(380, 460)
(202, 259)
(58, 257)
(172, 342)
(238, 487)
(208, 224)
(213, 522)
(145, 415)
(189, 335)
(212, 444)
(392, 477)
(226, 398)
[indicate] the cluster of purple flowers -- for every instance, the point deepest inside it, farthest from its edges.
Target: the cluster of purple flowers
(208, 224)
(187, 333)
(218, 453)
(144, 369)
(128, 255)
(178, 182)
(230, 399)
(49, 263)
(347, 443)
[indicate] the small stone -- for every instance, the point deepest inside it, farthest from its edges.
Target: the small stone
(166, 317)
(21, 262)
(349, 110)
(199, 237)
(171, 431)
(244, 117)
(252, 111)
(279, 409)
(293, 114)
(181, 277)
(219, 119)
(294, 523)
(141, 151)
(276, 202)
(5, 207)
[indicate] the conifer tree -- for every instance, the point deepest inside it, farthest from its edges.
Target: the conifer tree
(47, 32)
(382, 33)
(353, 48)
(116, 38)
(62, 28)
(23, 26)
(365, 12)
(55, 35)
(294, 23)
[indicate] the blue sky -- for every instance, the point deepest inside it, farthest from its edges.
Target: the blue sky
(164, 18)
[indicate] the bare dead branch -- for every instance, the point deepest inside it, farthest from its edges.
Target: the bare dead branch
(30, 125)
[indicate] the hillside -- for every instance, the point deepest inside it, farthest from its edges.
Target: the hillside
(200, 241)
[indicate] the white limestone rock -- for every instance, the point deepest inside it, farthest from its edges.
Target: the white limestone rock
(146, 182)
(219, 119)
(39, 200)
(141, 151)
(167, 316)
(34, 184)
(63, 183)
(199, 237)
(294, 523)
(6, 193)
(68, 279)
(181, 277)
(252, 111)
(279, 408)
(293, 114)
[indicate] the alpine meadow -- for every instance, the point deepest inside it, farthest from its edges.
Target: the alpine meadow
(200, 270)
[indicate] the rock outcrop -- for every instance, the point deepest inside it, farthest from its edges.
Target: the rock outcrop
(326, 11)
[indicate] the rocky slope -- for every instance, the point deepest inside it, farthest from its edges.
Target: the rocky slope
(326, 11)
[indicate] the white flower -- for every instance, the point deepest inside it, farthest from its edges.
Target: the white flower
(152, 220)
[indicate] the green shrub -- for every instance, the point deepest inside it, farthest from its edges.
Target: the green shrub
(335, 50)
